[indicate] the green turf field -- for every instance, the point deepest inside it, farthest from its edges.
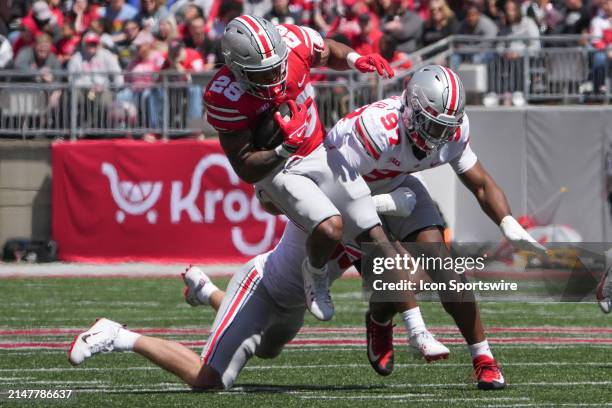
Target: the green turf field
(537, 345)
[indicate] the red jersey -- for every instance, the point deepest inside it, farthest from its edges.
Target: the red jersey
(230, 108)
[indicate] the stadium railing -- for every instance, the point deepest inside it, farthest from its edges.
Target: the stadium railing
(556, 69)
(100, 104)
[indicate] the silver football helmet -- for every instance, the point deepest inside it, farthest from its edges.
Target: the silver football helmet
(434, 101)
(257, 56)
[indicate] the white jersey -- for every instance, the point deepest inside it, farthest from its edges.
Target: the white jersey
(372, 141)
(281, 267)
(369, 139)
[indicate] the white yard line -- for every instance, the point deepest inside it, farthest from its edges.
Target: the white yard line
(128, 391)
(512, 384)
(410, 397)
(367, 396)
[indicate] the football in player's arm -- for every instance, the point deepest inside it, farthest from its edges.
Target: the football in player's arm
(251, 164)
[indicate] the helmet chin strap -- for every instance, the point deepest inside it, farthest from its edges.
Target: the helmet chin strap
(413, 136)
(272, 97)
(420, 152)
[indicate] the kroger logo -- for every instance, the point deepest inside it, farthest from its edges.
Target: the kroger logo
(138, 198)
(132, 198)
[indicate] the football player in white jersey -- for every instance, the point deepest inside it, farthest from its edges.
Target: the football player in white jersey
(423, 128)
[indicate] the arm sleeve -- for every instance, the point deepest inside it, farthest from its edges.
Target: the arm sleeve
(225, 121)
(223, 117)
(465, 161)
(304, 41)
(314, 39)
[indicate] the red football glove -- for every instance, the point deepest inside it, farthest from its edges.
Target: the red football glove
(294, 129)
(373, 62)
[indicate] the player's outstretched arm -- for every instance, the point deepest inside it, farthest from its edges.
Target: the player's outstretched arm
(494, 203)
(490, 196)
(250, 165)
(341, 57)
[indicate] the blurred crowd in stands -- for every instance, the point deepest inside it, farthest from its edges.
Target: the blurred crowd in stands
(184, 35)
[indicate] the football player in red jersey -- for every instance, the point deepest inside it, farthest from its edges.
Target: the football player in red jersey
(266, 65)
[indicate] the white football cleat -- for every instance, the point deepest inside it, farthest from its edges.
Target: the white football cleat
(424, 345)
(604, 289)
(99, 338)
(195, 279)
(316, 291)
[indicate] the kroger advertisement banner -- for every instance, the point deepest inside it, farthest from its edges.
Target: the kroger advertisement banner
(177, 201)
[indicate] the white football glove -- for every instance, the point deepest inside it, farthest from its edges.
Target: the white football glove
(518, 237)
(399, 203)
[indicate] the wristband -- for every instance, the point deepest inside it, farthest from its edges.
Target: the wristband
(384, 203)
(282, 152)
(351, 58)
(509, 223)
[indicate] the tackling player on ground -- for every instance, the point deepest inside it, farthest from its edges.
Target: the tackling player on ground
(262, 310)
